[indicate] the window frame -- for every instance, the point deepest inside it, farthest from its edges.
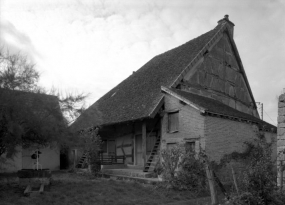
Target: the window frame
(169, 127)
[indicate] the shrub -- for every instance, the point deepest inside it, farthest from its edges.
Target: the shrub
(192, 175)
(170, 161)
(93, 144)
(158, 168)
(181, 170)
(258, 180)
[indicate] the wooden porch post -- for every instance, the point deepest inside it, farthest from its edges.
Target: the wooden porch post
(144, 142)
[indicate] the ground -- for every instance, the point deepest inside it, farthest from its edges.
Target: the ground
(71, 188)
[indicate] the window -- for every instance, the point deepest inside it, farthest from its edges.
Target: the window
(190, 147)
(173, 122)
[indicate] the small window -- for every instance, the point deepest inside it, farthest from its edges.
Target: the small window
(173, 122)
(190, 147)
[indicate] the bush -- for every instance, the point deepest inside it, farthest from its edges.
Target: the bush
(93, 144)
(170, 161)
(192, 175)
(258, 180)
(183, 171)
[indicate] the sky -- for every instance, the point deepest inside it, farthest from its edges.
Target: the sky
(92, 45)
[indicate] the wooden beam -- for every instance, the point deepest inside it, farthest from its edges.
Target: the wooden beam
(27, 190)
(235, 180)
(144, 142)
(211, 180)
(125, 145)
(42, 189)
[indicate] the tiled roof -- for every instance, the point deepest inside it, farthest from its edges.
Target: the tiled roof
(37, 102)
(137, 96)
(215, 107)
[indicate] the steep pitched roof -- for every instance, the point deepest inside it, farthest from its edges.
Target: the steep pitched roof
(208, 105)
(138, 95)
(36, 102)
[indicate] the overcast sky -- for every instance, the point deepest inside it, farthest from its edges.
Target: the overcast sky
(93, 45)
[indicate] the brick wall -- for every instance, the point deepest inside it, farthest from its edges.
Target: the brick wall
(191, 123)
(223, 136)
(281, 134)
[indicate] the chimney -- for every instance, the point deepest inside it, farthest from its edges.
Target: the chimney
(230, 24)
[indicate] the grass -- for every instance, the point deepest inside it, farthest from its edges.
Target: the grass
(73, 189)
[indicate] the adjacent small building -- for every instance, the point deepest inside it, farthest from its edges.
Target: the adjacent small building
(22, 107)
(197, 94)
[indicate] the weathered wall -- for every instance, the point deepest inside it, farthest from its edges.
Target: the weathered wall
(223, 136)
(272, 138)
(219, 76)
(281, 134)
(49, 158)
(191, 123)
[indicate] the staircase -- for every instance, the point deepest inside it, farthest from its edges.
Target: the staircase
(153, 158)
(83, 160)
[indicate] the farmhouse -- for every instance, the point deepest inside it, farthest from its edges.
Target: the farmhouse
(28, 109)
(197, 94)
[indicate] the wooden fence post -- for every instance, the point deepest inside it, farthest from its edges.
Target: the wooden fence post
(235, 180)
(211, 181)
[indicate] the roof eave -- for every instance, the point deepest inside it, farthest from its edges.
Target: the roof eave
(188, 102)
(156, 108)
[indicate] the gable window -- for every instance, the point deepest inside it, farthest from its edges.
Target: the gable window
(173, 122)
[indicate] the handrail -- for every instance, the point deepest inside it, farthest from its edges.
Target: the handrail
(111, 159)
(157, 140)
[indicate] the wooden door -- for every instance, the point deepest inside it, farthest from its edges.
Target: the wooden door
(138, 150)
(111, 147)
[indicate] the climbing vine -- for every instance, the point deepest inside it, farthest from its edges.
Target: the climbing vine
(257, 182)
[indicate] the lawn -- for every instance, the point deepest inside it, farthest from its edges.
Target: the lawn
(70, 188)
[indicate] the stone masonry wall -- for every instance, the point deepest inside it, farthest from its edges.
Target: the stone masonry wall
(281, 134)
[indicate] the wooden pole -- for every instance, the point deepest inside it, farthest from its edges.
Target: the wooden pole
(211, 181)
(27, 190)
(235, 180)
(219, 183)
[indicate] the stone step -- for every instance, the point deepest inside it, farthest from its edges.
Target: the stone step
(154, 180)
(128, 173)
